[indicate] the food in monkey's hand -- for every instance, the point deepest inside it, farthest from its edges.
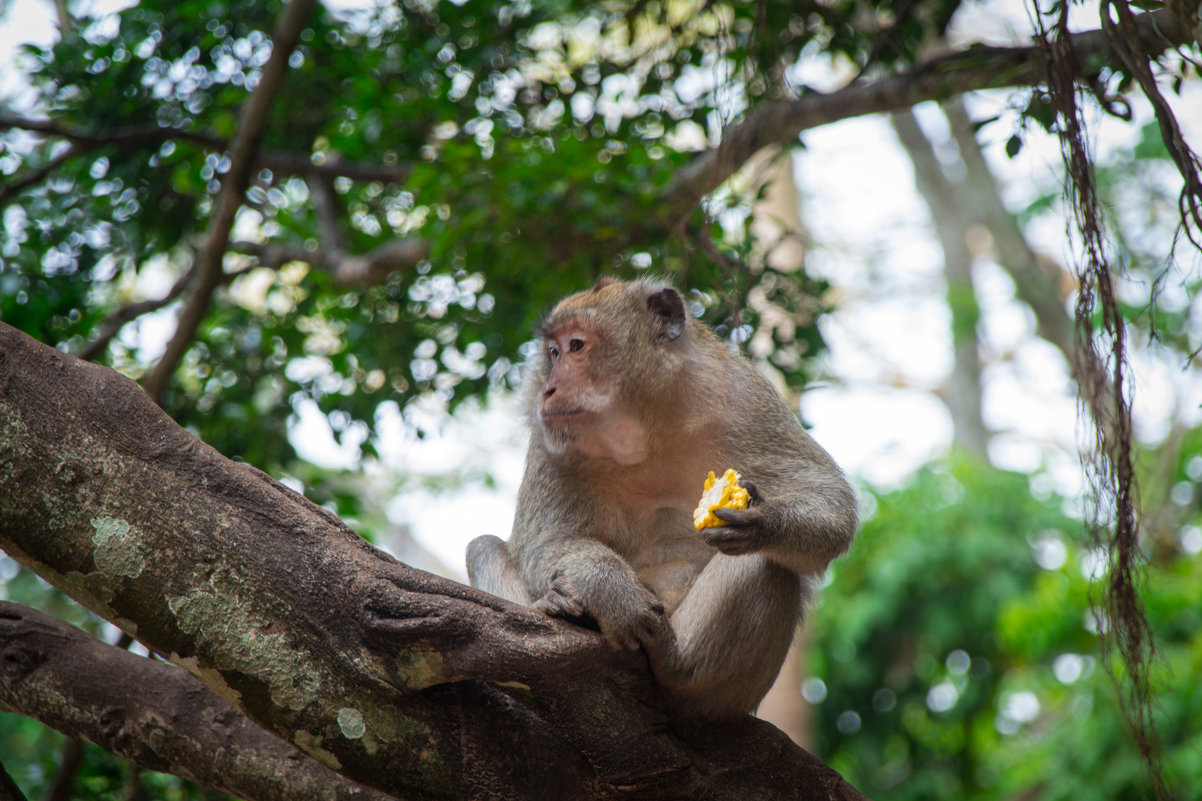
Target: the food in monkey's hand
(719, 493)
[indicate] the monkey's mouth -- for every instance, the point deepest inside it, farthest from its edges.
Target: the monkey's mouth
(562, 413)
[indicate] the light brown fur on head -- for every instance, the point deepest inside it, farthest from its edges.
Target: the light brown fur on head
(633, 401)
(640, 345)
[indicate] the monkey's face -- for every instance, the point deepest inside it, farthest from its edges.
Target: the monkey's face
(572, 399)
(603, 368)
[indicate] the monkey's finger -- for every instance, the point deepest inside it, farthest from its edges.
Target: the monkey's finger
(730, 541)
(752, 490)
(738, 517)
(565, 607)
(569, 604)
(564, 596)
(559, 605)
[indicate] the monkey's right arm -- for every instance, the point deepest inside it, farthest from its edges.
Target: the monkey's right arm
(590, 579)
(587, 579)
(569, 571)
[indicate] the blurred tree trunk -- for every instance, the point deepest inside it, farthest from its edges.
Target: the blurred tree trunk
(1039, 281)
(944, 197)
(784, 706)
(70, 757)
(778, 238)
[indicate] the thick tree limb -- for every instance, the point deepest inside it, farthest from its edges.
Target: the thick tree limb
(977, 68)
(406, 682)
(80, 686)
(251, 126)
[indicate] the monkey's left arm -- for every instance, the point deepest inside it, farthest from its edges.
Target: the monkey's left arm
(802, 513)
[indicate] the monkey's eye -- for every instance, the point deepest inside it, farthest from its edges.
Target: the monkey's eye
(553, 351)
(576, 344)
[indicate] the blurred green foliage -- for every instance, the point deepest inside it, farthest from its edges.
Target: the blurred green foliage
(32, 755)
(528, 144)
(955, 652)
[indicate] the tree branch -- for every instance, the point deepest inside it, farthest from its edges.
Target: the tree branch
(347, 271)
(1039, 282)
(406, 682)
(112, 325)
(326, 207)
(36, 176)
(70, 758)
(1139, 64)
(78, 685)
(280, 163)
(979, 67)
(251, 126)
(976, 68)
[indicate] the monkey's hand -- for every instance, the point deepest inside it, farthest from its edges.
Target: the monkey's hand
(560, 600)
(745, 531)
(626, 619)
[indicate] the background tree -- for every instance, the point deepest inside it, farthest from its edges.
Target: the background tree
(257, 208)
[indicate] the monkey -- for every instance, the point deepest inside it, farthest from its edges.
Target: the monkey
(631, 402)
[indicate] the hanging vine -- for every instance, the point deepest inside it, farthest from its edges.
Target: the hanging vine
(1103, 371)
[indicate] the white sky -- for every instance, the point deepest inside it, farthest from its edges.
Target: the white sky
(859, 203)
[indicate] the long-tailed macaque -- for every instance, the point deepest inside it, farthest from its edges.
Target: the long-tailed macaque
(634, 403)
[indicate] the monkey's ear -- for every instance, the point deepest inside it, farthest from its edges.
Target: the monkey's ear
(668, 307)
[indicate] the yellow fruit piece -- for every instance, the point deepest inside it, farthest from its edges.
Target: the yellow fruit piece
(719, 493)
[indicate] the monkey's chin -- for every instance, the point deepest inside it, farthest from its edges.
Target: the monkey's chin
(560, 429)
(556, 442)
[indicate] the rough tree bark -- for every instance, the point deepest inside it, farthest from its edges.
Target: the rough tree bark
(406, 682)
(56, 673)
(779, 241)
